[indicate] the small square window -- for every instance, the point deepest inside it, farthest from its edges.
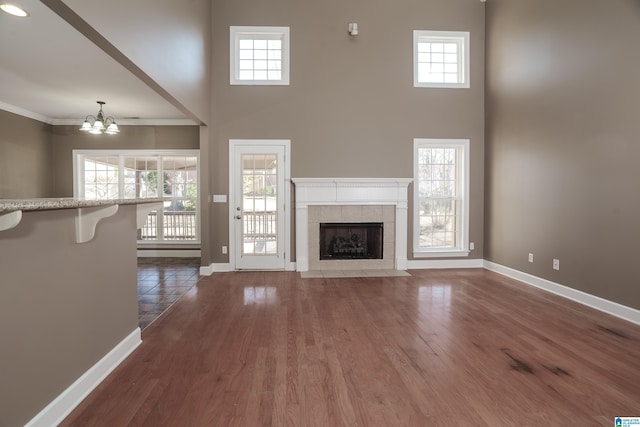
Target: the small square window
(259, 56)
(441, 59)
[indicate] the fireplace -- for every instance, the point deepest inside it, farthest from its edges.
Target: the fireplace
(345, 240)
(351, 200)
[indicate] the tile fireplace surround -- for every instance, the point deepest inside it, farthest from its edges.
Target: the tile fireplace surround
(351, 200)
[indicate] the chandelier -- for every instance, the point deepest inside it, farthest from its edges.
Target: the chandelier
(98, 124)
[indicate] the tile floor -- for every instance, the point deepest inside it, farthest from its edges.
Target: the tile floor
(162, 282)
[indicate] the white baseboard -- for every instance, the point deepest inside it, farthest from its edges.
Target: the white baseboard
(613, 308)
(168, 253)
(61, 406)
(225, 267)
(215, 268)
(444, 263)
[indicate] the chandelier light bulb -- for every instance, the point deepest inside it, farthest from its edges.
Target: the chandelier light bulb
(97, 124)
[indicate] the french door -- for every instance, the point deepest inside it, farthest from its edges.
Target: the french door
(258, 203)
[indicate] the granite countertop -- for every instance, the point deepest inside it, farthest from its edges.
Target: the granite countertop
(11, 205)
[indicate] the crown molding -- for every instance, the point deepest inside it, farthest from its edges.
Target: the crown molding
(73, 122)
(130, 122)
(25, 113)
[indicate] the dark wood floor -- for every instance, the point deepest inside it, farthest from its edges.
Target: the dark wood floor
(440, 348)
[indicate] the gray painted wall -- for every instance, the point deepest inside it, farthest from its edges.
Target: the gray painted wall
(563, 142)
(25, 157)
(351, 109)
(64, 305)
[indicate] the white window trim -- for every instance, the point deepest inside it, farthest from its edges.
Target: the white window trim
(78, 192)
(234, 65)
(463, 37)
(462, 248)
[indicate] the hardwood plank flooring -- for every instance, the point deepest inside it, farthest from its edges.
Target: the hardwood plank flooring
(439, 348)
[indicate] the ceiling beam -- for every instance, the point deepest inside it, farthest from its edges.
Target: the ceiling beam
(76, 21)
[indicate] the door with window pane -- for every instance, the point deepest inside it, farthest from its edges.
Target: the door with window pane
(258, 206)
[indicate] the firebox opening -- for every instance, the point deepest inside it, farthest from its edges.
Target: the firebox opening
(362, 240)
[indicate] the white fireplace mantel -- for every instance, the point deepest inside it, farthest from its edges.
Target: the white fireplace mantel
(350, 191)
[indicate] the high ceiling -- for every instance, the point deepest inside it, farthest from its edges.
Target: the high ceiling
(51, 72)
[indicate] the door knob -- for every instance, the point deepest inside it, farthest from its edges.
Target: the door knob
(238, 216)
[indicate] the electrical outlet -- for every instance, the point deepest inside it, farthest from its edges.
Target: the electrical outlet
(472, 246)
(530, 257)
(556, 264)
(224, 250)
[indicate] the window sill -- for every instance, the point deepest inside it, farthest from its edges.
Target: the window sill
(441, 254)
(259, 83)
(442, 85)
(154, 244)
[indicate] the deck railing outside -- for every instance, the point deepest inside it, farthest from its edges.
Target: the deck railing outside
(177, 225)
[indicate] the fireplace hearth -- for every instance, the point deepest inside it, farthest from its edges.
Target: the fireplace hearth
(341, 241)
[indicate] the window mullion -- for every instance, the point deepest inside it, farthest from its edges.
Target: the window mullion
(120, 176)
(160, 213)
(81, 178)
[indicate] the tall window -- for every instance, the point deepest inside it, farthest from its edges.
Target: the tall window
(441, 197)
(128, 174)
(441, 59)
(259, 55)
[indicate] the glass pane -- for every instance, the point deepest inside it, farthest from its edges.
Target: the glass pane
(437, 189)
(101, 177)
(245, 75)
(451, 78)
(259, 201)
(246, 44)
(451, 47)
(246, 64)
(145, 175)
(275, 44)
(246, 54)
(275, 75)
(451, 68)
(438, 222)
(437, 57)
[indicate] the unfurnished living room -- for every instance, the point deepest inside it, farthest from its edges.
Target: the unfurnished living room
(338, 213)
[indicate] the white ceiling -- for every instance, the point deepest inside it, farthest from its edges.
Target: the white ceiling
(51, 72)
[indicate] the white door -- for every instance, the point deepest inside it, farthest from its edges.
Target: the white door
(258, 201)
